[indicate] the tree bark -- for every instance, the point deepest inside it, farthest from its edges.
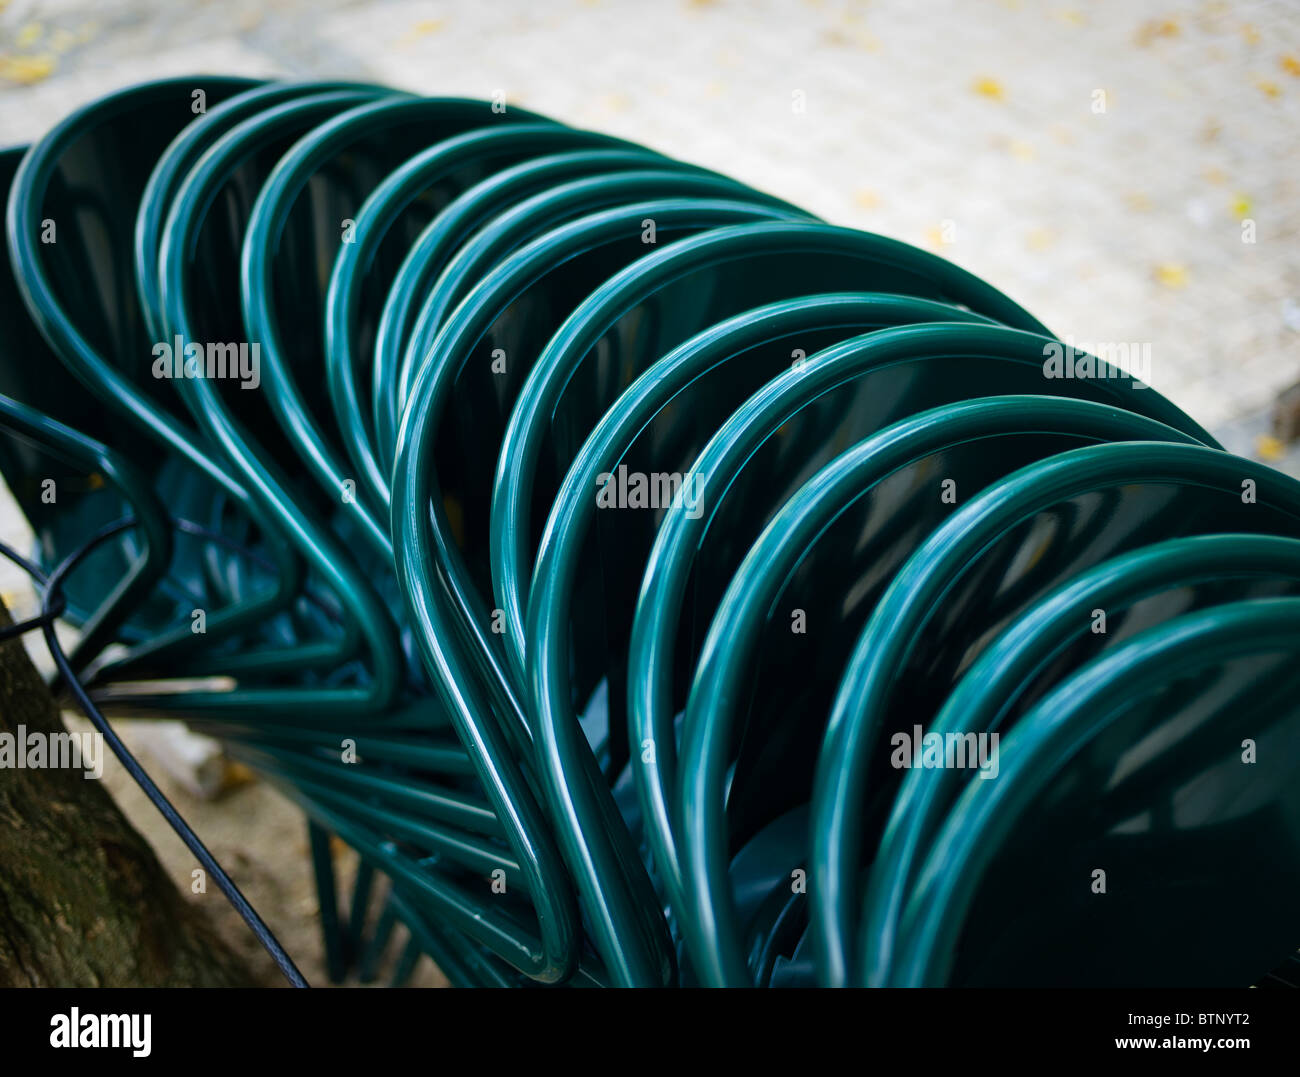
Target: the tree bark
(83, 899)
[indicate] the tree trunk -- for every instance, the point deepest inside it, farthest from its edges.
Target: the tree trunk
(83, 900)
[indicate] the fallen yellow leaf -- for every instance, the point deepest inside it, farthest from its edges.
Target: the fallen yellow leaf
(1171, 274)
(26, 70)
(1156, 28)
(1267, 447)
(422, 29)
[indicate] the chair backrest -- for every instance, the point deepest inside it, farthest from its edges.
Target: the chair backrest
(764, 679)
(1133, 592)
(446, 233)
(650, 307)
(1061, 808)
(1157, 491)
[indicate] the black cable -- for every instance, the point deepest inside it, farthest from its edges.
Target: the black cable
(20, 628)
(38, 576)
(52, 600)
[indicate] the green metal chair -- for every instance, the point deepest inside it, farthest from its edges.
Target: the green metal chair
(349, 156)
(457, 816)
(525, 221)
(66, 213)
(1230, 669)
(67, 483)
(581, 747)
(674, 404)
(80, 174)
(754, 673)
(199, 303)
(366, 267)
(842, 394)
(1049, 642)
(1161, 491)
(452, 228)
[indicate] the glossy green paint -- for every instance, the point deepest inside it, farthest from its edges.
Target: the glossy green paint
(742, 267)
(469, 319)
(979, 431)
(365, 619)
(452, 228)
(630, 934)
(881, 652)
(359, 267)
(1083, 709)
(388, 129)
(985, 698)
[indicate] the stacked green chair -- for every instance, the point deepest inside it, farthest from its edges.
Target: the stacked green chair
(578, 736)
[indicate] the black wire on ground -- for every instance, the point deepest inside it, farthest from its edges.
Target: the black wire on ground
(52, 603)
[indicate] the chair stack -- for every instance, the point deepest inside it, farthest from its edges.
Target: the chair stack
(653, 583)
